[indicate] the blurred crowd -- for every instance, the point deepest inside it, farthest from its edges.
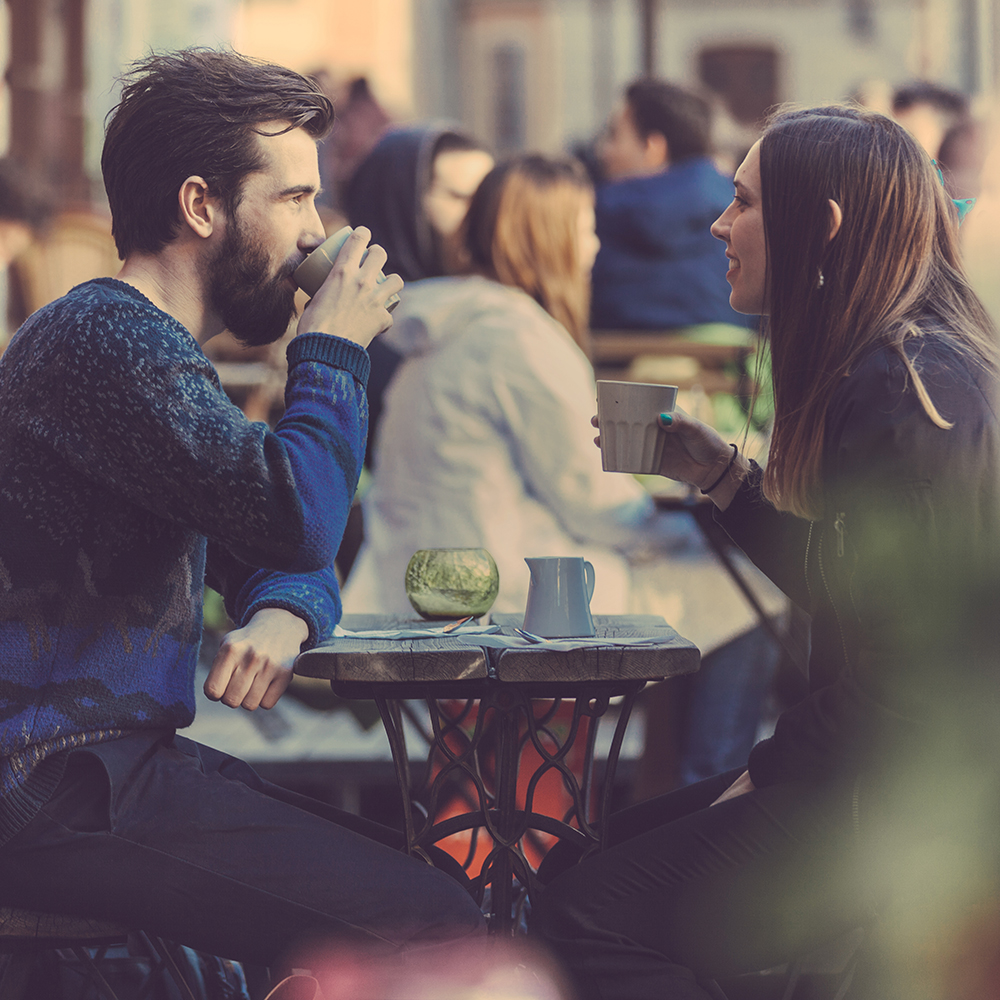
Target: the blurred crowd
(481, 393)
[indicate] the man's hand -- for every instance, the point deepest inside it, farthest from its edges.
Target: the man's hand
(254, 664)
(740, 786)
(351, 302)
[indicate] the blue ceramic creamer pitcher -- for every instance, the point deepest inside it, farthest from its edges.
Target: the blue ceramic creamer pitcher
(559, 597)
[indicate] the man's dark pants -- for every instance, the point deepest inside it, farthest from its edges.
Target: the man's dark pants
(174, 838)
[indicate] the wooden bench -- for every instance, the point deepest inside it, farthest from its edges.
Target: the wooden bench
(645, 355)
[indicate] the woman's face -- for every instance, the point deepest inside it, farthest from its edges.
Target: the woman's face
(586, 239)
(741, 228)
(455, 177)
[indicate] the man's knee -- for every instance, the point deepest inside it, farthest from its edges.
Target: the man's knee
(449, 910)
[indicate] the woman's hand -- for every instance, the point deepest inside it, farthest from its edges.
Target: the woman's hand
(740, 786)
(694, 453)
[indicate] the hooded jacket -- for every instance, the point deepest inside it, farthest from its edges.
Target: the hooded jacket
(386, 194)
(486, 441)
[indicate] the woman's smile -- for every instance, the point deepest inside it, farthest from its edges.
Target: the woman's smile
(741, 228)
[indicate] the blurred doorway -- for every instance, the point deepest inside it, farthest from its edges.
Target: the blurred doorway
(45, 75)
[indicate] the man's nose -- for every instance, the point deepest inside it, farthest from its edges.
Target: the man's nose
(314, 235)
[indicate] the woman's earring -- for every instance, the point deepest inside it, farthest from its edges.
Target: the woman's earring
(819, 283)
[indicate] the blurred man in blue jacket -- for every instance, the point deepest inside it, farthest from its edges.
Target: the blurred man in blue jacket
(659, 267)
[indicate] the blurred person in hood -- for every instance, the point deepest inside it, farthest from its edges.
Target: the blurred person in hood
(412, 191)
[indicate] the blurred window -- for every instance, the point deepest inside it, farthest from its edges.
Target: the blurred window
(745, 77)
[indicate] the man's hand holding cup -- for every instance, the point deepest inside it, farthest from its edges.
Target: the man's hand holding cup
(354, 299)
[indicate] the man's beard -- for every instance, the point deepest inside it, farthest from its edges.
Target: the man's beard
(255, 305)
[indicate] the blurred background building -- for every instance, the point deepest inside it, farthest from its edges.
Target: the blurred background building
(519, 73)
(539, 74)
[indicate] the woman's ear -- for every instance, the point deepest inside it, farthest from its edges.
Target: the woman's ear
(197, 208)
(836, 218)
(657, 151)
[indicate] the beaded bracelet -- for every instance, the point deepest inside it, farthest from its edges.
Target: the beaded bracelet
(725, 472)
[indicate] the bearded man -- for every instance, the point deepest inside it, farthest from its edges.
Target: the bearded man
(128, 480)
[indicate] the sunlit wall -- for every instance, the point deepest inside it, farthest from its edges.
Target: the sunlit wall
(4, 95)
(372, 39)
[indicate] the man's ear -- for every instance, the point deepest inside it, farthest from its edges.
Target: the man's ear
(657, 153)
(198, 210)
(836, 218)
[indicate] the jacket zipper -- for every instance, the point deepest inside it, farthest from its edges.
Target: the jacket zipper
(806, 567)
(839, 527)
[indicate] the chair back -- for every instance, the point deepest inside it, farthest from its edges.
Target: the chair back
(78, 247)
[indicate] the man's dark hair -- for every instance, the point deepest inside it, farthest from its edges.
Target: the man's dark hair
(456, 142)
(944, 99)
(197, 111)
(22, 198)
(681, 116)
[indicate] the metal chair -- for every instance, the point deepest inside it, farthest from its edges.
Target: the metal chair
(81, 944)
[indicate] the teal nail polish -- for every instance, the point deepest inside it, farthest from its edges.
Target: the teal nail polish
(666, 419)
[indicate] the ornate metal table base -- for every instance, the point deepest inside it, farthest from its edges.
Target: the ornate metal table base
(487, 707)
(475, 749)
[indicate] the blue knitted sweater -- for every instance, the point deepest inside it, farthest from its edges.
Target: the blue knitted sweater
(127, 479)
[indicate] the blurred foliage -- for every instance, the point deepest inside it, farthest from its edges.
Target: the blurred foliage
(214, 612)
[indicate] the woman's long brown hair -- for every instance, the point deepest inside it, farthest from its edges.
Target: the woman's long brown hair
(522, 230)
(892, 272)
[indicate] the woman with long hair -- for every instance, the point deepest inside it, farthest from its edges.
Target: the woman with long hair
(877, 513)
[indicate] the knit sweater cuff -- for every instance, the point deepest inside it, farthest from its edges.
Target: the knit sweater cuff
(330, 350)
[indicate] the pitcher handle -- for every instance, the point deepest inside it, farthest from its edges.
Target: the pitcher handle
(588, 568)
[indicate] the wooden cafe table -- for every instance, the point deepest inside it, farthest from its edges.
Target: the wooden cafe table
(485, 701)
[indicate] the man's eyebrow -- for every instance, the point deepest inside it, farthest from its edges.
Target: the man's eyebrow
(299, 189)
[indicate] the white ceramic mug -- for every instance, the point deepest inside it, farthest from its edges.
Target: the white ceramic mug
(312, 272)
(631, 436)
(559, 597)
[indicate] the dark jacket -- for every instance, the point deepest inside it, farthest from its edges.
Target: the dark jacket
(659, 266)
(894, 574)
